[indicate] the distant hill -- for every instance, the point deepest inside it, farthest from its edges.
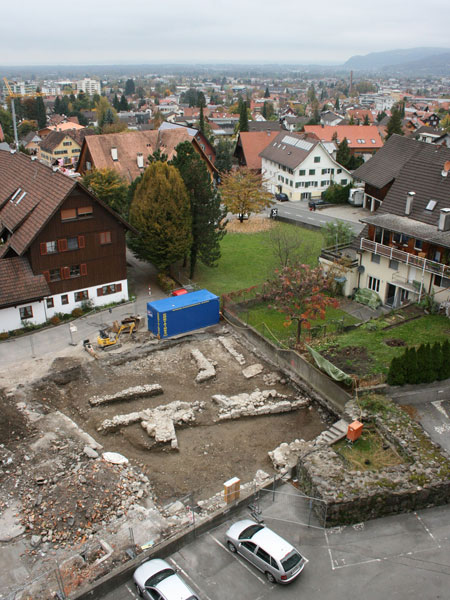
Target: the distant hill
(438, 64)
(392, 59)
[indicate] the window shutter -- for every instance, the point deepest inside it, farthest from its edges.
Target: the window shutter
(46, 274)
(62, 245)
(99, 291)
(43, 248)
(65, 273)
(118, 287)
(81, 241)
(83, 269)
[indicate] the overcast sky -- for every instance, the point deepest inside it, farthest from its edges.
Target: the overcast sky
(46, 32)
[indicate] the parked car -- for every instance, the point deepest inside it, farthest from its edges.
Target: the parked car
(281, 197)
(156, 580)
(315, 203)
(275, 557)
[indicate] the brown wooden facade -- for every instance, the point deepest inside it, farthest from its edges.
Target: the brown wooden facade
(80, 251)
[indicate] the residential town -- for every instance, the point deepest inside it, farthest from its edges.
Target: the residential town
(224, 331)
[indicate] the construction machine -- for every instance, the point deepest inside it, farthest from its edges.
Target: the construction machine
(110, 336)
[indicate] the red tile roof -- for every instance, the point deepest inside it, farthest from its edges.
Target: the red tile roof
(19, 284)
(368, 134)
(254, 142)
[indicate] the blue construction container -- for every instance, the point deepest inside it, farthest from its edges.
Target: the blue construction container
(179, 314)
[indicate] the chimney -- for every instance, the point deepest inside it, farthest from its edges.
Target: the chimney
(444, 220)
(114, 154)
(446, 169)
(409, 202)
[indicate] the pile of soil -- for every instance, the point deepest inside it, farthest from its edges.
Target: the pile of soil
(14, 426)
(353, 360)
(395, 342)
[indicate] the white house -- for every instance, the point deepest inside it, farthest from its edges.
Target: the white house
(301, 167)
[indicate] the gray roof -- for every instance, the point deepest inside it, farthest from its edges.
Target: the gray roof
(289, 149)
(410, 227)
(386, 164)
(265, 126)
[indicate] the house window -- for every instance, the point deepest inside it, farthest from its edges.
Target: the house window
(418, 245)
(67, 143)
(65, 299)
(80, 296)
(109, 289)
(393, 264)
(105, 237)
(74, 271)
(72, 243)
(50, 302)
(443, 282)
(49, 247)
(338, 171)
(373, 284)
(317, 159)
(375, 258)
(312, 171)
(55, 275)
(323, 183)
(306, 195)
(302, 172)
(343, 182)
(26, 312)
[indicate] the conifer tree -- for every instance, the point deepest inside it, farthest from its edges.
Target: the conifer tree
(412, 369)
(444, 372)
(366, 120)
(436, 360)
(129, 87)
(116, 102)
(202, 120)
(243, 116)
(160, 211)
(396, 374)
(343, 154)
(208, 218)
(123, 104)
(394, 124)
(267, 93)
(41, 115)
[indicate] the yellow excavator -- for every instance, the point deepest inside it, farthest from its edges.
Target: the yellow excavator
(110, 336)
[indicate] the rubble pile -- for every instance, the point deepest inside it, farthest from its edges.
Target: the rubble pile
(207, 369)
(256, 403)
(139, 391)
(158, 422)
(285, 457)
(227, 343)
(71, 507)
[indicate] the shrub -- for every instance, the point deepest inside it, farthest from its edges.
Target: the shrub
(436, 360)
(77, 312)
(396, 375)
(444, 372)
(166, 283)
(55, 320)
(86, 306)
(4, 335)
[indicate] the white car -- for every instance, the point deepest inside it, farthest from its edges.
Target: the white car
(157, 580)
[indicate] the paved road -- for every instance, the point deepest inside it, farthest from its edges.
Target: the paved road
(400, 557)
(299, 211)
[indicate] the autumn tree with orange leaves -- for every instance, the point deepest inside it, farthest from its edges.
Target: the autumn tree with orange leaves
(300, 292)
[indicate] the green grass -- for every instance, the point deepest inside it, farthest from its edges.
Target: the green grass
(368, 452)
(248, 259)
(269, 322)
(427, 329)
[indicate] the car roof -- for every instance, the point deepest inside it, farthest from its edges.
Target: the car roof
(174, 588)
(272, 543)
(150, 568)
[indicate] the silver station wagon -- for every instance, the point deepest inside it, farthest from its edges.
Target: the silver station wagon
(275, 557)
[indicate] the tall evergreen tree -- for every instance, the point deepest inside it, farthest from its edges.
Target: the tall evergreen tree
(243, 116)
(337, 105)
(161, 212)
(394, 124)
(123, 104)
(343, 154)
(436, 360)
(366, 120)
(116, 102)
(57, 105)
(208, 218)
(444, 372)
(267, 93)
(224, 156)
(129, 87)
(202, 120)
(41, 115)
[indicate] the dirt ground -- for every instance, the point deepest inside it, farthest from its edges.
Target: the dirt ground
(353, 360)
(209, 452)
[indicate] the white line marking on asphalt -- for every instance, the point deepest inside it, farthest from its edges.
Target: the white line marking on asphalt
(310, 219)
(131, 591)
(427, 529)
(239, 560)
(329, 550)
(438, 406)
(202, 593)
(286, 212)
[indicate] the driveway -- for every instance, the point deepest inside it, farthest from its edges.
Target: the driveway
(404, 556)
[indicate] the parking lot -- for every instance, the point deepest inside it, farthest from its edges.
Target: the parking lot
(404, 556)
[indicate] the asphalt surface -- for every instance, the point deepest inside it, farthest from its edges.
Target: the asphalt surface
(400, 557)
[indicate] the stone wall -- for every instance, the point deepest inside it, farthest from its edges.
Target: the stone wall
(300, 370)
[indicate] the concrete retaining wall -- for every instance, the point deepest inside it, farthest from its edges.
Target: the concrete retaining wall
(299, 369)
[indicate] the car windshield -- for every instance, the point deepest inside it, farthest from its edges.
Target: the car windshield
(290, 560)
(158, 577)
(250, 531)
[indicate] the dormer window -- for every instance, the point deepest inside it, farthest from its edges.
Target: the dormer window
(431, 205)
(140, 160)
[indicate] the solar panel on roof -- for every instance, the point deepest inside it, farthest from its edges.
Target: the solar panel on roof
(288, 139)
(431, 204)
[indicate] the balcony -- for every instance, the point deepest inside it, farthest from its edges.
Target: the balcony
(431, 266)
(342, 254)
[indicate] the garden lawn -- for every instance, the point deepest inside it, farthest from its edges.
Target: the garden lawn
(249, 259)
(269, 323)
(426, 329)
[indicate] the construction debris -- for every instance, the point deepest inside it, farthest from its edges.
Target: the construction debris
(257, 403)
(206, 368)
(252, 371)
(227, 343)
